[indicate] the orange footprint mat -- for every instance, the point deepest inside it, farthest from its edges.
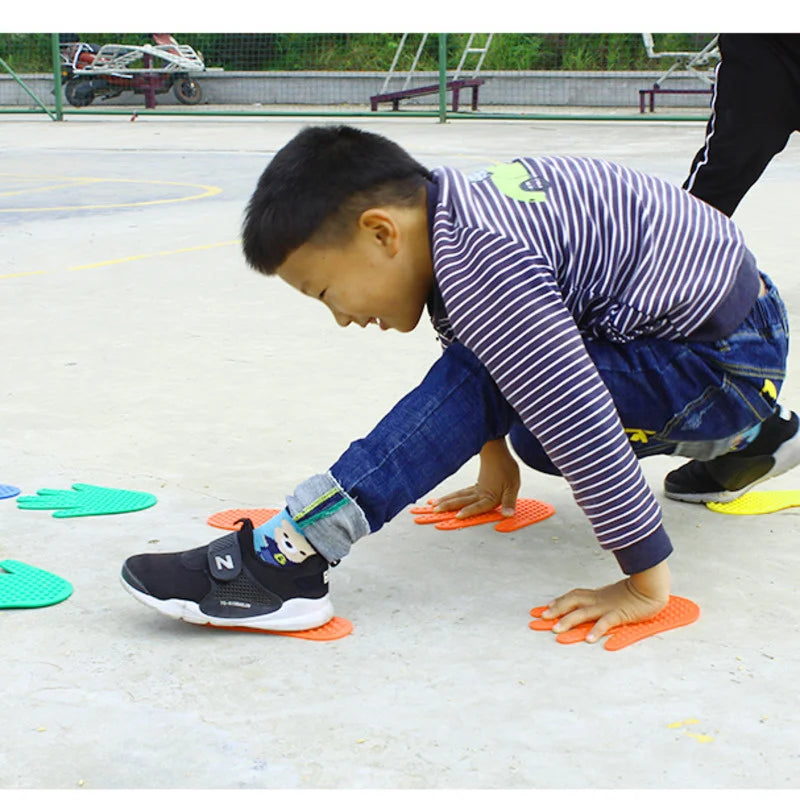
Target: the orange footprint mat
(528, 512)
(336, 628)
(227, 519)
(678, 612)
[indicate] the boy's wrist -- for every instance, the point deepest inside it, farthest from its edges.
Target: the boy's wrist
(494, 446)
(654, 582)
(644, 554)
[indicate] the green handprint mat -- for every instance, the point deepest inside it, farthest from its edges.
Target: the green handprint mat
(24, 586)
(86, 500)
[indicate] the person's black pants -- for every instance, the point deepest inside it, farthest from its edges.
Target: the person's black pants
(755, 108)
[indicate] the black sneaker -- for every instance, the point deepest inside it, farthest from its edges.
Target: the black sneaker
(227, 585)
(774, 451)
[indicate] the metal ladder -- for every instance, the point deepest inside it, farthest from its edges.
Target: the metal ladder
(471, 48)
(699, 63)
(468, 49)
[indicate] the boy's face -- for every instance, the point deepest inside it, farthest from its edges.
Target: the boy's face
(382, 275)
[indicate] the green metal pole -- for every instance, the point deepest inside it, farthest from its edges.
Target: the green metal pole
(442, 77)
(57, 77)
(27, 91)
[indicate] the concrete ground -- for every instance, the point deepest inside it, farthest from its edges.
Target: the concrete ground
(139, 352)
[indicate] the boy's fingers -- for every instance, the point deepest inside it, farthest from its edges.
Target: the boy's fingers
(479, 507)
(567, 603)
(450, 504)
(602, 626)
(508, 502)
(446, 497)
(455, 500)
(575, 617)
(584, 616)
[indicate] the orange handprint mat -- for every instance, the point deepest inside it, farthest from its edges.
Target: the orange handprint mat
(228, 519)
(678, 612)
(528, 512)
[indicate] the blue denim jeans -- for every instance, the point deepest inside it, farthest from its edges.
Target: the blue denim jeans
(697, 399)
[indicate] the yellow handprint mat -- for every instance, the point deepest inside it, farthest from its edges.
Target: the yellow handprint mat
(678, 612)
(759, 502)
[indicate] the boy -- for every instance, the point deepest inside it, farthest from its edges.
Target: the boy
(575, 301)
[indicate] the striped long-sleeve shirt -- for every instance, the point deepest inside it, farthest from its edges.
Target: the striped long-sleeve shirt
(533, 256)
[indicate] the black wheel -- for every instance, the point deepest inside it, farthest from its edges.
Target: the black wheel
(188, 91)
(79, 92)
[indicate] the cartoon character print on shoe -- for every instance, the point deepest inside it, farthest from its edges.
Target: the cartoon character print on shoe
(281, 544)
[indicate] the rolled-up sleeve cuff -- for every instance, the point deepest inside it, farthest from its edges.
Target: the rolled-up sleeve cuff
(644, 554)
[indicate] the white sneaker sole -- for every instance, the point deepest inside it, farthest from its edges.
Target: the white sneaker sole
(297, 614)
(787, 457)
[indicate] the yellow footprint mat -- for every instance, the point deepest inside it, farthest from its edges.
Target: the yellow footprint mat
(759, 502)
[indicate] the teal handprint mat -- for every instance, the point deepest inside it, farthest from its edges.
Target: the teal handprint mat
(24, 586)
(86, 500)
(6, 490)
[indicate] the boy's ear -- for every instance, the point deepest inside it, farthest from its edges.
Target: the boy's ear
(382, 225)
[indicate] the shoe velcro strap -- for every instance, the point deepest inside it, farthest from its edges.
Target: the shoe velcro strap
(225, 558)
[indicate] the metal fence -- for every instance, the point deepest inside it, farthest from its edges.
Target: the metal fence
(664, 76)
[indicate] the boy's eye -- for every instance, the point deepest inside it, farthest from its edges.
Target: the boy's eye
(321, 295)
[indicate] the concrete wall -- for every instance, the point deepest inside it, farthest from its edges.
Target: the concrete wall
(556, 89)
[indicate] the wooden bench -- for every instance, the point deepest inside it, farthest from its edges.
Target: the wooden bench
(452, 86)
(658, 90)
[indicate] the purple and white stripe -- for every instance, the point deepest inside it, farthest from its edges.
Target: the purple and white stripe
(610, 253)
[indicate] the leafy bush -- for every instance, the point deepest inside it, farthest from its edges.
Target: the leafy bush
(374, 52)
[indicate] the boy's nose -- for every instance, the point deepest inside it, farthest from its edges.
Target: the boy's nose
(341, 319)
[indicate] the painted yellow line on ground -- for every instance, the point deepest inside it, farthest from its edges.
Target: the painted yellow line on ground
(27, 176)
(141, 256)
(125, 259)
(68, 183)
(22, 274)
(207, 191)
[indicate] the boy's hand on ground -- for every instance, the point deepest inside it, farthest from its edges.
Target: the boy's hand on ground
(498, 485)
(637, 598)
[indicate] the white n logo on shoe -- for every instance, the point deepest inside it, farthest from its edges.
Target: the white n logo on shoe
(224, 562)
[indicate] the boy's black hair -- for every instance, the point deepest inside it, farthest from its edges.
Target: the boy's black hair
(318, 184)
